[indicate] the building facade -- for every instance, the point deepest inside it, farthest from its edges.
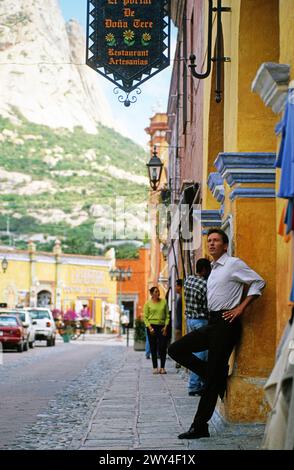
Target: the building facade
(227, 151)
(158, 275)
(133, 293)
(59, 281)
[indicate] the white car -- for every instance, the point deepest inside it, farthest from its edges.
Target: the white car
(43, 323)
(27, 324)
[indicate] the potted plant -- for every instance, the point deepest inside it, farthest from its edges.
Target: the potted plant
(139, 335)
(69, 325)
(66, 332)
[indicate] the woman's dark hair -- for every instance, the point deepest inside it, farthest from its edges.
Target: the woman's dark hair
(221, 233)
(179, 282)
(153, 289)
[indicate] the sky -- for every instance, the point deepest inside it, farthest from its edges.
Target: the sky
(154, 94)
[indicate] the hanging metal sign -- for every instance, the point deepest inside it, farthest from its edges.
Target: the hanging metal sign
(128, 42)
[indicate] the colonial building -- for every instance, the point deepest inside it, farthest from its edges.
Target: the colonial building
(60, 281)
(133, 292)
(223, 150)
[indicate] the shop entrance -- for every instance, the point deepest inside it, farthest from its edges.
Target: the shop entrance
(129, 306)
(44, 299)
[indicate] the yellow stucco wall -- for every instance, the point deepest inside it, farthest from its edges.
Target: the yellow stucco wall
(254, 236)
(14, 281)
(45, 271)
(242, 123)
(258, 43)
(287, 33)
(18, 273)
(254, 226)
(251, 37)
(87, 280)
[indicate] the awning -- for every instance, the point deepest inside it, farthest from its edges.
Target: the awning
(285, 159)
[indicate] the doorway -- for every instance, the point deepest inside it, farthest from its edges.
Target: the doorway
(129, 308)
(44, 299)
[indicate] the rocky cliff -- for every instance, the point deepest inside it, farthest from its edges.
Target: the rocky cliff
(42, 71)
(62, 162)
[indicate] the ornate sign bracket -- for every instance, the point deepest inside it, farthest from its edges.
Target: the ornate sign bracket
(128, 42)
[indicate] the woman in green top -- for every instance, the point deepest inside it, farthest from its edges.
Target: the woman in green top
(156, 318)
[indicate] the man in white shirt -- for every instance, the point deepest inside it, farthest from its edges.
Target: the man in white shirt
(225, 287)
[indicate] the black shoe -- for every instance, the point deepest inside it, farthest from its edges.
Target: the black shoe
(196, 392)
(195, 433)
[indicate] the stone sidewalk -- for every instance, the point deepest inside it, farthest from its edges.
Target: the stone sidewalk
(139, 410)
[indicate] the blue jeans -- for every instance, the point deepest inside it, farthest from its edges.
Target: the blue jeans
(195, 383)
(147, 346)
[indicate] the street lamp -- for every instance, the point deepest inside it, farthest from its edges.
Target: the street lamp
(120, 275)
(154, 166)
(4, 264)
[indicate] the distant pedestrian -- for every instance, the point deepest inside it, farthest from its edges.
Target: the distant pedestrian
(124, 320)
(85, 313)
(196, 312)
(157, 318)
(225, 287)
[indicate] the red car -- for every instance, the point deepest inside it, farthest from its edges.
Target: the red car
(12, 332)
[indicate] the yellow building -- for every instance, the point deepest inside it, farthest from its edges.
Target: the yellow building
(59, 281)
(230, 149)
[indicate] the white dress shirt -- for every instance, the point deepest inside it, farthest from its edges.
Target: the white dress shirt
(226, 282)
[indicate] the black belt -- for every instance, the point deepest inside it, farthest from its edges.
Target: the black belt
(216, 315)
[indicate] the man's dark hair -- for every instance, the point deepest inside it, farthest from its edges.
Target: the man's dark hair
(220, 232)
(179, 282)
(203, 264)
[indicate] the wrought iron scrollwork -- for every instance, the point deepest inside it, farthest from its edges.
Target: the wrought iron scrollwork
(127, 98)
(219, 57)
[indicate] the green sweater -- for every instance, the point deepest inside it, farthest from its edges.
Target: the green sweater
(156, 313)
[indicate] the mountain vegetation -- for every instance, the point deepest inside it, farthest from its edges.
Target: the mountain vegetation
(63, 160)
(58, 183)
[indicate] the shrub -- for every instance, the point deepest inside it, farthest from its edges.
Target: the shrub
(140, 330)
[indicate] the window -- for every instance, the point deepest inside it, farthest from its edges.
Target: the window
(39, 314)
(8, 321)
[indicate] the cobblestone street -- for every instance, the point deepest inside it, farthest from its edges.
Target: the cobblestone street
(51, 393)
(141, 411)
(96, 395)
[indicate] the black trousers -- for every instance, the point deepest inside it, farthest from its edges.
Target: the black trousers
(219, 337)
(157, 339)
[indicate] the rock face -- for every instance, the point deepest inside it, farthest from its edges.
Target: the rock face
(42, 71)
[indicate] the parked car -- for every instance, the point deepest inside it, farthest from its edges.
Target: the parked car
(43, 323)
(12, 333)
(27, 323)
